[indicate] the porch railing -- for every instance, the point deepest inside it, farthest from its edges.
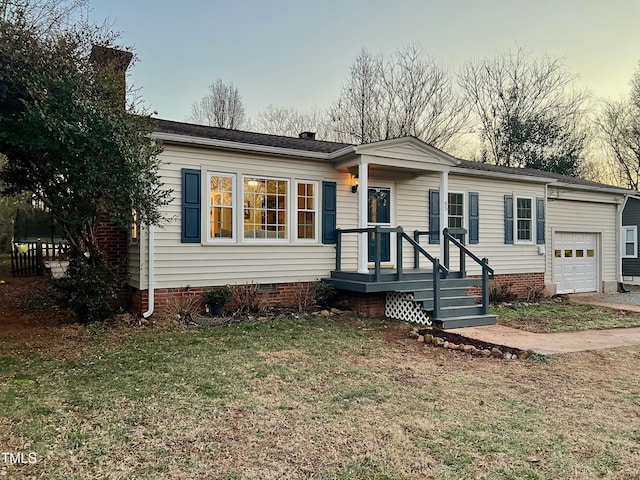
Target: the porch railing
(487, 271)
(439, 270)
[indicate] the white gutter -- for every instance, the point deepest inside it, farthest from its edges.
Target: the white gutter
(150, 277)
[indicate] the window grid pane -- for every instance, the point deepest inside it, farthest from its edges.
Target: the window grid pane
(524, 219)
(221, 209)
(456, 212)
(265, 208)
(306, 211)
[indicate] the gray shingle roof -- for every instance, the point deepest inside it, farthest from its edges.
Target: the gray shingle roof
(321, 146)
(202, 131)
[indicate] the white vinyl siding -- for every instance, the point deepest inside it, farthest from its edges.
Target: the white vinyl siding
(199, 265)
(588, 212)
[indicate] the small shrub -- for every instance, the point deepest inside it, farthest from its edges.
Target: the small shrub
(501, 292)
(535, 293)
(249, 299)
(303, 296)
(219, 296)
(323, 292)
(89, 289)
(184, 308)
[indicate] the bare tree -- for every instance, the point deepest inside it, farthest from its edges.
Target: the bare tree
(290, 122)
(619, 123)
(405, 95)
(357, 115)
(49, 17)
(419, 99)
(222, 107)
(525, 107)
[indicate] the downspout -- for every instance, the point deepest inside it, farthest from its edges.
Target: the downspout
(150, 276)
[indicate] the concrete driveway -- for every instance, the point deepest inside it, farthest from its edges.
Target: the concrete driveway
(566, 342)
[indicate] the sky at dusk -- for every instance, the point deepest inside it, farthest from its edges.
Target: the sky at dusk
(297, 53)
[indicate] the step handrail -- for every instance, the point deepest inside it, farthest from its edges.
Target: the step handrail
(487, 271)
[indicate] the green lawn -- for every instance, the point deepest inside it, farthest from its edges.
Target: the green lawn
(339, 398)
(560, 316)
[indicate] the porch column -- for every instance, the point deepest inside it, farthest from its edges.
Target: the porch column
(363, 217)
(444, 209)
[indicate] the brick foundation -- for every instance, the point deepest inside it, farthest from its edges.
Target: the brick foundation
(367, 304)
(284, 295)
(521, 283)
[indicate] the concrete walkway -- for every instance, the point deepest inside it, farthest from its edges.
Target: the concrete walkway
(554, 343)
(566, 342)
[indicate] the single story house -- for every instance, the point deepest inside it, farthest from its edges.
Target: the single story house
(282, 212)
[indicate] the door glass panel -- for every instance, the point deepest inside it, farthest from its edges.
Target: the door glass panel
(590, 253)
(568, 253)
(379, 200)
(579, 253)
(558, 254)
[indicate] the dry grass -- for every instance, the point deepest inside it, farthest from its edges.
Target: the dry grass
(343, 399)
(562, 316)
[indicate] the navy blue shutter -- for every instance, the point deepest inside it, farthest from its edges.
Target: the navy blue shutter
(434, 216)
(508, 219)
(329, 212)
(474, 218)
(191, 206)
(539, 220)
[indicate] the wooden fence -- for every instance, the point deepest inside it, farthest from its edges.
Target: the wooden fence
(30, 258)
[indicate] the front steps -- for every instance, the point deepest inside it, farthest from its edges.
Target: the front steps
(412, 299)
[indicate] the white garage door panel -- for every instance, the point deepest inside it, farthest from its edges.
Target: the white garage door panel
(575, 262)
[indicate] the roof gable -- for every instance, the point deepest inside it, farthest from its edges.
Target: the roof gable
(406, 153)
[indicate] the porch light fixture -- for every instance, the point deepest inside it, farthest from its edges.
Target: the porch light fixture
(355, 181)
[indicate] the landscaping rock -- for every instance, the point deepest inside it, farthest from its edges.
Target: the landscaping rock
(452, 346)
(468, 348)
(325, 313)
(496, 352)
(445, 344)
(485, 353)
(420, 339)
(428, 338)
(414, 334)
(437, 341)
(524, 354)
(336, 311)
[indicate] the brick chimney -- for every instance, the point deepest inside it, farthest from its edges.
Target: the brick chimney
(113, 62)
(308, 135)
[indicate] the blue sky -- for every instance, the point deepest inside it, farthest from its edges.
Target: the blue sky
(297, 53)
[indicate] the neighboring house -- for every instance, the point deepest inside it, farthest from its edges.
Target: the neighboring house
(629, 240)
(250, 207)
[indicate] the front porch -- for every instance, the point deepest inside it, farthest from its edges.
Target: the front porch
(434, 294)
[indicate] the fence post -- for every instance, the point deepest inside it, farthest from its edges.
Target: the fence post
(377, 238)
(485, 286)
(463, 269)
(399, 253)
(436, 289)
(445, 239)
(338, 249)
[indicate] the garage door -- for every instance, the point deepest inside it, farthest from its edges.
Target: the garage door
(575, 262)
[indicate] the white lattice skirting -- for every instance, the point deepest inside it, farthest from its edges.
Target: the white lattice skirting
(401, 306)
